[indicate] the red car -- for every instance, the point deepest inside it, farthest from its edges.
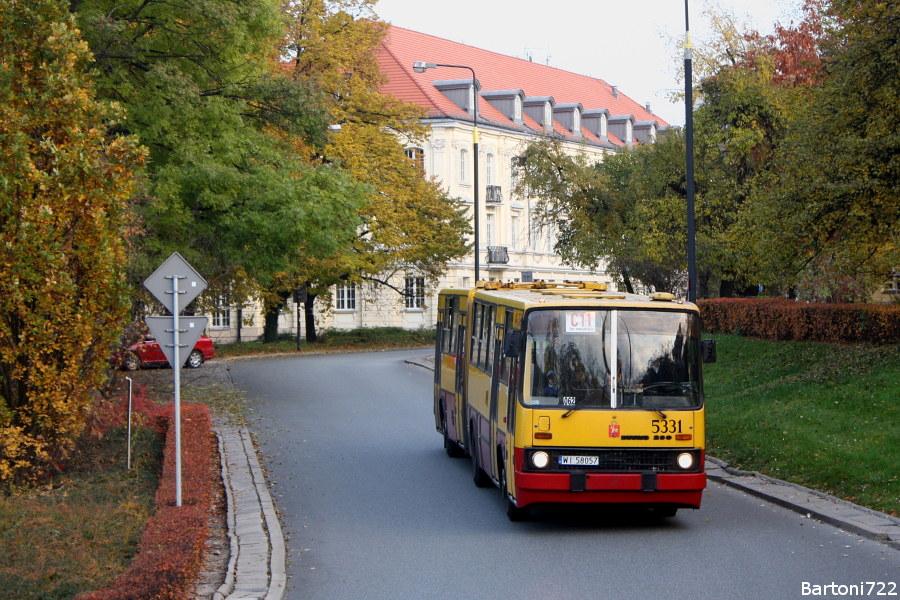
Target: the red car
(147, 353)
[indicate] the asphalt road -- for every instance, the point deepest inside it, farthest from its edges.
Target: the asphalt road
(373, 508)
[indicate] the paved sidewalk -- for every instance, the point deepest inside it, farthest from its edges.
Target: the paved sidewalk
(256, 565)
(816, 505)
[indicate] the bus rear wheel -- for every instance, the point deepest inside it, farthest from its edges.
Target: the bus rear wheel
(452, 448)
(480, 478)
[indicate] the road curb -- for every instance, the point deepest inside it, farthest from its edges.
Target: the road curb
(850, 517)
(257, 561)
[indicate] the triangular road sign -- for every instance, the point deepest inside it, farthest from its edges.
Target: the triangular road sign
(190, 284)
(190, 328)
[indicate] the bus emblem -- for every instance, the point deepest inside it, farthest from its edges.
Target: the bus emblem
(614, 430)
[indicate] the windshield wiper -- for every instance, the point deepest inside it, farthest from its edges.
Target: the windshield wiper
(659, 412)
(582, 401)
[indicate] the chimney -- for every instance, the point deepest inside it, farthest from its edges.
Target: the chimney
(647, 106)
(615, 91)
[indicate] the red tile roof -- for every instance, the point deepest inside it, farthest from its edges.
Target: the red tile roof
(402, 47)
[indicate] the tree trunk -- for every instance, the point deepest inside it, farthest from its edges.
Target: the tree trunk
(270, 331)
(726, 288)
(310, 318)
(626, 279)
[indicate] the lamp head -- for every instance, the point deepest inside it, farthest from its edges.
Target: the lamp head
(420, 66)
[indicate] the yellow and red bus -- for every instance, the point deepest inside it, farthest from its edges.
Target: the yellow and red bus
(571, 394)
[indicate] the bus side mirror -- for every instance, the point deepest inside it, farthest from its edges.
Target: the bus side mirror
(511, 344)
(708, 351)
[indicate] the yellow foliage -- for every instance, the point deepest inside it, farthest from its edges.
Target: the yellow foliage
(65, 190)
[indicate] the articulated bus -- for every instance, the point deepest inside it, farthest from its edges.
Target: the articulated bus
(570, 394)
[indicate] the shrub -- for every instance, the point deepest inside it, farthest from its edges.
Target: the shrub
(171, 548)
(782, 319)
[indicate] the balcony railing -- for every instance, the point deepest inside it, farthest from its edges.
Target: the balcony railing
(494, 194)
(497, 255)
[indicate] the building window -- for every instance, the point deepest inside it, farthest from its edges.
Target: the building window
(489, 230)
(221, 316)
(415, 292)
(514, 232)
(548, 117)
(417, 156)
(345, 297)
(465, 282)
(517, 114)
(576, 120)
(489, 169)
(464, 166)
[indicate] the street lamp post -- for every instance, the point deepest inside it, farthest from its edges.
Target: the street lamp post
(421, 67)
(689, 144)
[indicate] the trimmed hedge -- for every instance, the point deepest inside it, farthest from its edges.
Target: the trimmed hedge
(171, 549)
(783, 319)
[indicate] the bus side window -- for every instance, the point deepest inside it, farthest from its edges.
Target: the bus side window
(506, 362)
(476, 335)
(487, 346)
(447, 325)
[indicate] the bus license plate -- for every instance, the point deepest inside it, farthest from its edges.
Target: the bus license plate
(579, 461)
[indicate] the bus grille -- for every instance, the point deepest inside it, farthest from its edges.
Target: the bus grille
(620, 460)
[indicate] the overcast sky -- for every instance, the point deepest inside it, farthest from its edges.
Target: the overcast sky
(628, 43)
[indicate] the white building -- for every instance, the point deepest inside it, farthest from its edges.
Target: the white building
(518, 101)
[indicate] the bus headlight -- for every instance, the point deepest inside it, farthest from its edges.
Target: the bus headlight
(540, 460)
(685, 461)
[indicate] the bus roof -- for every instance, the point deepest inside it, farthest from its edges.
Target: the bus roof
(549, 295)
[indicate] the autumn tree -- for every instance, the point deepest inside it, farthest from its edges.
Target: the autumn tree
(843, 165)
(226, 185)
(65, 186)
(408, 224)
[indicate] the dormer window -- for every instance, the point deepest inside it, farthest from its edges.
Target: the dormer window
(540, 108)
(576, 120)
(517, 114)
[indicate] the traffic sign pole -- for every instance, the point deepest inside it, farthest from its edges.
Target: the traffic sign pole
(176, 367)
(175, 268)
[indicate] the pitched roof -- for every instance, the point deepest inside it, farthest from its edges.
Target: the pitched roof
(402, 47)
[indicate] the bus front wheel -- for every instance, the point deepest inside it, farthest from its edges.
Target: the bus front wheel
(665, 511)
(514, 512)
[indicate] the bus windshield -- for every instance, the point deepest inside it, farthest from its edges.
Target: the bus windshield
(657, 359)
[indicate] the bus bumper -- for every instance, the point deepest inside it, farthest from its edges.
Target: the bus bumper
(680, 489)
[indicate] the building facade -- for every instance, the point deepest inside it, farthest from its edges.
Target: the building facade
(517, 101)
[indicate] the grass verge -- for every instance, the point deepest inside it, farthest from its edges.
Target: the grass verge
(79, 530)
(821, 415)
(375, 338)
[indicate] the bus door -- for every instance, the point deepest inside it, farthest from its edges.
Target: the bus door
(507, 402)
(438, 355)
(497, 436)
(459, 408)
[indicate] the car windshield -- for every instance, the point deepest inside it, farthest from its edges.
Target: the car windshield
(657, 359)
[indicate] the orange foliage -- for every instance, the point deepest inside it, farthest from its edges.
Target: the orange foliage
(782, 319)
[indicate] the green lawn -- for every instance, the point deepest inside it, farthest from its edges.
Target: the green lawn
(77, 531)
(375, 338)
(824, 416)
